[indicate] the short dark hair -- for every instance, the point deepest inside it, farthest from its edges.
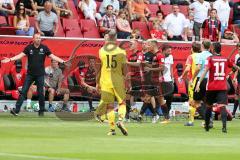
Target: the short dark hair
(217, 48)
(196, 47)
(165, 46)
(160, 11)
(206, 44)
(109, 6)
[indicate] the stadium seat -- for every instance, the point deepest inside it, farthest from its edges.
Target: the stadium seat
(230, 21)
(150, 25)
(89, 29)
(73, 9)
(72, 28)
(236, 29)
(2, 20)
(184, 10)
(60, 32)
(166, 9)
(153, 8)
(7, 31)
(98, 5)
(143, 27)
(10, 20)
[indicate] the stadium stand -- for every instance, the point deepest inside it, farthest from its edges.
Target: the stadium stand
(72, 28)
(89, 28)
(153, 8)
(143, 27)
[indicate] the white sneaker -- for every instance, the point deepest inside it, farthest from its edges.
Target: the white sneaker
(154, 119)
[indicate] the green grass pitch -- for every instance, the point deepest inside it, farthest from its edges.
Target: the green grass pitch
(29, 137)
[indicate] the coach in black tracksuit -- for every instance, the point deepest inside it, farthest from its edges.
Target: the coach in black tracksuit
(36, 54)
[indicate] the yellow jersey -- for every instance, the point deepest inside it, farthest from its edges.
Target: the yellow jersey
(112, 63)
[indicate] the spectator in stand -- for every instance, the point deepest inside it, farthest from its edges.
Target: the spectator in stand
(123, 26)
(40, 4)
(157, 32)
(136, 34)
(105, 3)
(223, 13)
(21, 22)
(211, 28)
(122, 4)
(138, 10)
(229, 37)
(236, 13)
(47, 21)
(89, 9)
(175, 25)
(159, 2)
(190, 24)
(108, 22)
(30, 7)
(6, 7)
(159, 18)
(200, 9)
(62, 8)
(180, 2)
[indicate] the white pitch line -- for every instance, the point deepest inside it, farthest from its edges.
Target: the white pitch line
(38, 157)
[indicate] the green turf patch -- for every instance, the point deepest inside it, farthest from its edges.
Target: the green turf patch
(29, 137)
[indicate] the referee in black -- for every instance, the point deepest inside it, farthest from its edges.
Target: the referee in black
(36, 54)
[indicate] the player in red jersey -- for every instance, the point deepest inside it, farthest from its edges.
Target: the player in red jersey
(216, 65)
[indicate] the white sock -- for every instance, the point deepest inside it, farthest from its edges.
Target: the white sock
(29, 102)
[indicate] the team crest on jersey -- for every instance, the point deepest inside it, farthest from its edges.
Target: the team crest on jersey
(41, 51)
(31, 51)
(19, 76)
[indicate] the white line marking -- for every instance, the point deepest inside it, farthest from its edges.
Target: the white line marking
(38, 157)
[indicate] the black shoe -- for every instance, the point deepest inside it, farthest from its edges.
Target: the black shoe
(13, 112)
(224, 130)
(122, 128)
(40, 113)
(92, 109)
(207, 128)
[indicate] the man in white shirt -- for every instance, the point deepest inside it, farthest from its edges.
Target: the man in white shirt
(223, 12)
(105, 3)
(6, 7)
(200, 9)
(175, 25)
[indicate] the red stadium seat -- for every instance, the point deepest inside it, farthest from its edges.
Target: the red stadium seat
(10, 20)
(98, 5)
(184, 10)
(236, 29)
(60, 32)
(153, 8)
(72, 28)
(2, 20)
(89, 29)
(73, 9)
(150, 25)
(7, 31)
(143, 27)
(166, 9)
(230, 21)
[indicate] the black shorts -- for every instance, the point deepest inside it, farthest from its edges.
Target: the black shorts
(198, 96)
(219, 97)
(136, 86)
